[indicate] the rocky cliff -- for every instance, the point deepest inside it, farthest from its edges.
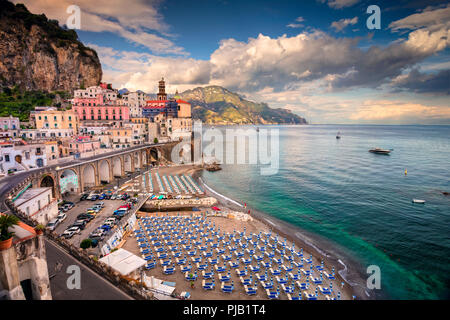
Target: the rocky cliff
(37, 54)
(217, 105)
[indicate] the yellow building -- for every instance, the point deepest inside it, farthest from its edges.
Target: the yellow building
(53, 119)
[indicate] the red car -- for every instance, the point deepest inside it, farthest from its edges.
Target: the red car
(127, 206)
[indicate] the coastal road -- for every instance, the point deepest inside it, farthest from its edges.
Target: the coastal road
(93, 286)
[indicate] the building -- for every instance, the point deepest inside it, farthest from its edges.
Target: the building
(38, 204)
(9, 123)
(161, 90)
(23, 267)
(19, 155)
(94, 91)
(121, 137)
(41, 134)
(135, 101)
(54, 119)
(78, 145)
(102, 113)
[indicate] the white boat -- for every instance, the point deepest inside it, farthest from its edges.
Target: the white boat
(418, 201)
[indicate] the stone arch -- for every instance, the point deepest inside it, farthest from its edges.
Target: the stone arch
(144, 158)
(117, 167)
(104, 171)
(137, 160)
(88, 174)
(128, 165)
(154, 156)
(69, 181)
(48, 181)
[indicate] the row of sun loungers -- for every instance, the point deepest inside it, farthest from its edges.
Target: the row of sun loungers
(195, 247)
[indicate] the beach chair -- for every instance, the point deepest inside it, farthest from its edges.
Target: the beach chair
(294, 276)
(292, 297)
(213, 261)
(196, 259)
(297, 264)
(306, 272)
(254, 268)
(287, 288)
(165, 263)
(251, 291)
(246, 281)
(315, 280)
(226, 258)
(302, 285)
(168, 270)
(220, 269)
(272, 294)
(227, 288)
(266, 265)
(202, 266)
(309, 296)
(150, 265)
(247, 261)
(185, 269)
(266, 284)
(261, 277)
(208, 285)
(233, 265)
(208, 275)
(224, 277)
(180, 261)
(281, 280)
(329, 276)
(275, 272)
(324, 291)
(286, 268)
(189, 276)
(241, 273)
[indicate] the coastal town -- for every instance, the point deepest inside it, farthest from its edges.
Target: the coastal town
(95, 179)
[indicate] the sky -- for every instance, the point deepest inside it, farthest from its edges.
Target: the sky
(317, 58)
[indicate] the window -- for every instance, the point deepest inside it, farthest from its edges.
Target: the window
(7, 157)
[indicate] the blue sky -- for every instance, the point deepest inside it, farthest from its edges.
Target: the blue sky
(314, 57)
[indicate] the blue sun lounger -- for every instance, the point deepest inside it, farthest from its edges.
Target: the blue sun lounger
(233, 265)
(295, 276)
(292, 297)
(165, 263)
(266, 284)
(247, 261)
(185, 269)
(196, 259)
(329, 276)
(302, 285)
(202, 266)
(324, 290)
(315, 280)
(281, 280)
(288, 289)
(275, 272)
(246, 281)
(241, 273)
(190, 276)
(207, 275)
(150, 265)
(224, 277)
(227, 288)
(272, 294)
(250, 290)
(208, 285)
(221, 269)
(180, 261)
(254, 268)
(309, 296)
(213, 261)
(168, 270)
(261, 277)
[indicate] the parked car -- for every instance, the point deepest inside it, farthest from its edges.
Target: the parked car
(53, 224)
(85, 216)
(125, 196)
(101, 204)
(84, 196)
(126, 206)
(97, 234)
(70, 232)
(113, 197)
(111, 219)
(102, 196)
(61, 217)
(81, 224)
(108, 196)
(106, 227)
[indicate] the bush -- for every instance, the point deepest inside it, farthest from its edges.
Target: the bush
(155, 140)
(86, 243)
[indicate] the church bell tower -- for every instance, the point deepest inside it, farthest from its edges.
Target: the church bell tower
(162, 90)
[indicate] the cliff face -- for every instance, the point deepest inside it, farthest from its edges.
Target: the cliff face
(214, 104)
(37, 54)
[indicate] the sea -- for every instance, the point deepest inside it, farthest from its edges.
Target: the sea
(360, 201)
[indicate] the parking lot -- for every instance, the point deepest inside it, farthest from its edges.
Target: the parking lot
(81, 207)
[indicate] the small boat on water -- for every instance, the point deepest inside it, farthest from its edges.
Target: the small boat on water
(338, 135)
(418, 201)
(380, 151)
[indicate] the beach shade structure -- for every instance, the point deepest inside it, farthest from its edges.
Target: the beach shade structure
(262, 277)
(241, 273)
(288, 289)
(168, 270)
(215, 208)
(324, 290)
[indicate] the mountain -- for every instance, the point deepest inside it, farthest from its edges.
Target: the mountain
(217, 105)
(37, 54)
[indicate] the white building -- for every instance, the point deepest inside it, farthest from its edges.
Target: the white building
(36, 134)
(93, 91)
(38, 204)
(135, 100)
(9, 123)
(16, 156)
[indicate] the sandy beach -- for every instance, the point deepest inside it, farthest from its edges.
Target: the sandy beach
(259, 223)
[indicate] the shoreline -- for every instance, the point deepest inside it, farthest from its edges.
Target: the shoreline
(348, 269)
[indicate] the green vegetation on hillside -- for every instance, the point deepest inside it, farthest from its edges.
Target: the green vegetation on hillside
(19, 103)
(214, 104)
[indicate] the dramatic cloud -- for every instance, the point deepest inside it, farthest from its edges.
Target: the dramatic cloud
(138, 22)
(436, 18)
(424, 83)
(343, 23)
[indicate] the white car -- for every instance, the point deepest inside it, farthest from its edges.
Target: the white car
(61, 217)
(53, 224)
(70, 232)
(100, 204)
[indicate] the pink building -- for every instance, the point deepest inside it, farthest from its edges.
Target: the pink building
(79, 145)
(102, 112)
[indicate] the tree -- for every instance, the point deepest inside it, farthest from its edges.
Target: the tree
(86, 243)
(155, 140)
(7, 221)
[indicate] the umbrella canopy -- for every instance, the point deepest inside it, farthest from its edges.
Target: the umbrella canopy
(215, 208)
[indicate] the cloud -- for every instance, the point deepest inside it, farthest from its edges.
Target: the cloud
(339, 4)
(343, 23)
(397, 111)
(297, 24)
(429, 18)
(138, 22)
(436, 83)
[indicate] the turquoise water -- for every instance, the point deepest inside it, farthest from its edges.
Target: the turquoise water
(362, 201)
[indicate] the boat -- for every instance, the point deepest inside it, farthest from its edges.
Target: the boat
(380, 151)
(418, 201)
(257, 129)
(338, 135)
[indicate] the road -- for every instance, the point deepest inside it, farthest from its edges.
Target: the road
(8, 182)
(93, 286)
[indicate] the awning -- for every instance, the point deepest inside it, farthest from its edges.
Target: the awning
(123, 261)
